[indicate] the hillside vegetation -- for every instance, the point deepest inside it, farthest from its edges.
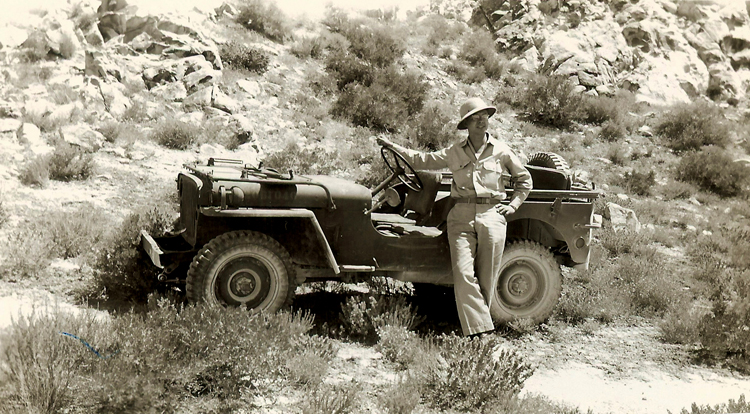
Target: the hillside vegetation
(90, 117)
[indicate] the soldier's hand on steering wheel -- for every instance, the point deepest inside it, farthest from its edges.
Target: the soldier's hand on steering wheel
(384, 142)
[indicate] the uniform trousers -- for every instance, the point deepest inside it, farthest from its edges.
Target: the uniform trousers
(476, 233)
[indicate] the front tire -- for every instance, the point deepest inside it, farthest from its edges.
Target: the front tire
(529, 284)
(242, 268)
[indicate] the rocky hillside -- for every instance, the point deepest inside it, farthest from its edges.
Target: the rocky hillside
(666, 51)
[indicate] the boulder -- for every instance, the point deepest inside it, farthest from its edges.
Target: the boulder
(62, 40)
(252, 88)
(30, 134)
(226, 10)
(99, 65)
(201, 77)
(587, 79)
(621, 218)
(199, 99)
(115, 100)
(112, 18)
(9, 124)
(82, 136)
(142, 42)
(223, 102)
(154, 76)
(242, 127)
(38, 108)
(62, 114)
(174, 91)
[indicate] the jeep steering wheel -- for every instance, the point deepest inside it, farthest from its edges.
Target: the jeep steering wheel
(399, 171)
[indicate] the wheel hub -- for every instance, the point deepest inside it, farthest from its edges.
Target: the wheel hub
(242, 284)
(243, 281)
(519, 285)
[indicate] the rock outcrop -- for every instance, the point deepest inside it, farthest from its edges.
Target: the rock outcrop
(664, 51)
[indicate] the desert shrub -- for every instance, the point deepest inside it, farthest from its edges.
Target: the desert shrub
(402, 397)
(39, 362)
(309, 47)
(4, 215)
(713, 169)
(362, 315)
(440, 31)
(676, 190)
(68, 46)
(739, 406)
(378, 44)
(691, 126)
(69, 162)
(613, 130)
(592, 294)
(723, 331)
(338, 399)
(62, 94)
(433, 128)
(27, 253)
(121, 269)
(34, 48)
(310, 366)
(680, 325)
(618, 154)
(550, 101)
(301, 160)
(348, 69)
(598, 110)
(35, 172)
(476, 374)
(639, 183)
(399, 345)
(621, 287)
(651, 290)
(479, 51)
(114, 132)
(466, 72)
(175, 134)
(265, 18)
(240, 56)
(618, 243)
(160, 358)
(385, 104)
(137, 112)
(49, 235)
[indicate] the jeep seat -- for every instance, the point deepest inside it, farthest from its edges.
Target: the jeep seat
(421, 202)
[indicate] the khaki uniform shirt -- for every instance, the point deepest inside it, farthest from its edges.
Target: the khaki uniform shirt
(474, 176)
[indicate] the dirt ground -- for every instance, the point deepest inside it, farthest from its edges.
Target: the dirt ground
(615, 369)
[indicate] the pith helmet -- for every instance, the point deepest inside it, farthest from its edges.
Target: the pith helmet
(472, 106)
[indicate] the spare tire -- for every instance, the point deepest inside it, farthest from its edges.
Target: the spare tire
(549, 160)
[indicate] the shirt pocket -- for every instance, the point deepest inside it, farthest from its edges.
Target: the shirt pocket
(462, 170)
(491, 174)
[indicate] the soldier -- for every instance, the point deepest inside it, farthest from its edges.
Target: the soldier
(477, 223)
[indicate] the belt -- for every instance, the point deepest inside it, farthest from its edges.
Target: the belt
(477, 200)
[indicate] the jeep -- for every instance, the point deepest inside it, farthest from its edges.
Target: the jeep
(248, 236)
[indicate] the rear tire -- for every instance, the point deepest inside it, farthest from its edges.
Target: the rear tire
(549, 160)
(242, 268)
(529, 283)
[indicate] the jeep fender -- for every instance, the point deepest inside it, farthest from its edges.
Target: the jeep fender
(279, 213)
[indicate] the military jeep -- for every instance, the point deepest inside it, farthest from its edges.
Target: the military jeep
(250, 235)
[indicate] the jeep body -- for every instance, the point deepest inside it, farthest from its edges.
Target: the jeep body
(324, 228)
